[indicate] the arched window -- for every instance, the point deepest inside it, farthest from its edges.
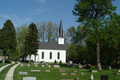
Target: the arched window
(42, 55)
(50, 55)
(58, 56)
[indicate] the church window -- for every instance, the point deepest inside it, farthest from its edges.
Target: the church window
(50, 55)
(42, 55)
(58, 56)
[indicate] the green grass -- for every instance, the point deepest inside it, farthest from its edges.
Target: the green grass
(2, 64)
(4, 72)
(54, 73)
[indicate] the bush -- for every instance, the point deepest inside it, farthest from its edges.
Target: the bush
(55, 61)
(60, 62)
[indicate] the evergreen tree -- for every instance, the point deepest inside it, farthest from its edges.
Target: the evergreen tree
(92, 13)
(8, 38)
(31, 41)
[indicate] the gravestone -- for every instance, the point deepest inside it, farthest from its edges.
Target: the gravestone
(23, 73)
(47, 70)
(35, 65)
(46, 64)
(80, 66)
(61, 70)
(66, 79)
(119, 70)
(49, 65)
(82, 73)
(63, 74)
(70, 62)
(91, 77)
(35, 70)
(28, 64)
(42, 65)
(72, 74)
(21, 64)
(29, 78)
(56, 66)
(94, 71)
(0, 59)
(74, 71)
(77, 78)
(109, 67)
(104, 77)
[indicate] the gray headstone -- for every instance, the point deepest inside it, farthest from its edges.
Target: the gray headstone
(23, 73)
(49, 65)
(35, 70)
(47, 70)
(21, 64)
(94, 71)
(29, 78)
(56, 66)
(74, 71)
(35, 65)
(70, 62)
(28, 64)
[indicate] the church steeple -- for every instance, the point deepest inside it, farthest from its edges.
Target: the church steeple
(61, 37)
(60, 29)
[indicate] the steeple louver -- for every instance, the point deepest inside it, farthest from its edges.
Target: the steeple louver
(60, 29)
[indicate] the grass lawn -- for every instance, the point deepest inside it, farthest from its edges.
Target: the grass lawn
(2, 64)
(54, 73)
(4, 71)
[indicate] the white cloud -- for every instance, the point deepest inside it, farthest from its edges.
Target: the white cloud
(17, 21)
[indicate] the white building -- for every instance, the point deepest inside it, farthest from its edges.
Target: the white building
(51, 51)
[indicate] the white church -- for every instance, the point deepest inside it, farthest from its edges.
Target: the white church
(51, 51)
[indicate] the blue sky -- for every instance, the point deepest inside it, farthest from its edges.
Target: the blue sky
(26, 11)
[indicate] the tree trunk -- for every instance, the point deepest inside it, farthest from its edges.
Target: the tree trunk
(4, 53)
(98, 57)
(29, 58)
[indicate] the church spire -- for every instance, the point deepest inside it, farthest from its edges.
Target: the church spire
(60, 29)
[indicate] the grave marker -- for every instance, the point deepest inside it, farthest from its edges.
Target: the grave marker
(63, 74)
(42, 65)
(28, 64)
(72, 74)
(23, 73)
(21, 64)
(74, 71)
(94, 71)
(47, 70)
(61, 70)
(29, 78)
(35, 65)
(56, 66)
(82, 73)
(35, 70)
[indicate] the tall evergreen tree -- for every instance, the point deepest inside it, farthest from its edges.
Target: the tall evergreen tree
(92, 13)
(8, 38)
(31, 41)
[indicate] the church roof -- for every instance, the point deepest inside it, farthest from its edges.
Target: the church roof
(60, 29)
(51, 45)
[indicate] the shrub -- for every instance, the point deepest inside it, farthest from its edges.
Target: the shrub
(60, 62)
(55, 61)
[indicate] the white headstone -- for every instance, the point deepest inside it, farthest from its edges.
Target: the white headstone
(91, 76)
(35, 65)
(23, 73)
(29, 78)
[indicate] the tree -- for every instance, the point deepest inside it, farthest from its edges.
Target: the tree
(48, 31)
(31, 41)
(8, 38)
(91, 13)
(21, 33)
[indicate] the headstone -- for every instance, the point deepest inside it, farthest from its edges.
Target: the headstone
(109, 67)
(28, 64)
(42, 65)
(117, 73)
(61, 70)
(70, 62)
(77, 78)
(74, 71)
(35, 65)
(104, 77)
(56, 66)
(119, 70)
(94, 71)
(23, 73)
(49, 65)
(66, 79)
(0, 59)
(63, 74)
(35, 70)
(46, 64)
(91, 77)
(21, 64)
(47, 70)
(80, 66)
(82, 73)
(29, 78)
